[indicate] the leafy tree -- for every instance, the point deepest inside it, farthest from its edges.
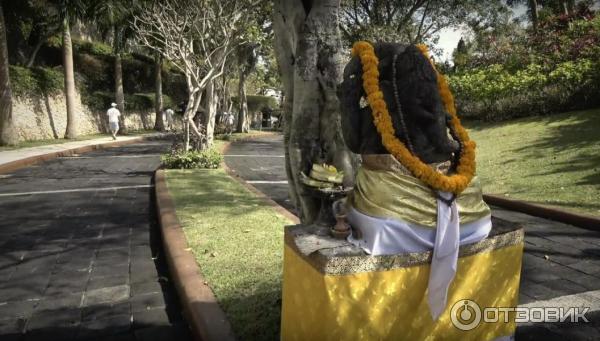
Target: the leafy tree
(460, 56)
(254, 33)
(411, 21)
(29, 24)
(197, 38)
(533, 10)
(502, 42)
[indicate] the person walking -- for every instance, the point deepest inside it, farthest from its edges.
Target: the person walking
(169, 118)
(113, 120)
(229, 120)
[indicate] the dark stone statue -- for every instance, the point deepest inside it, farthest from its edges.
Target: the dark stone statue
(424, 114)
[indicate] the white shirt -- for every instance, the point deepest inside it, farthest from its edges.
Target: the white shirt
(228, 118)
(169, 114)
(113, 115)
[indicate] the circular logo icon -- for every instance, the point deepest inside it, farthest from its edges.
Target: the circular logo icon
(465, 315)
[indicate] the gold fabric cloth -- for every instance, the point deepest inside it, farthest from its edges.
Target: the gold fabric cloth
(391, 304)
(386, 189)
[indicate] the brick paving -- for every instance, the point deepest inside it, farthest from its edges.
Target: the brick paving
(80, 255)
(559, 260)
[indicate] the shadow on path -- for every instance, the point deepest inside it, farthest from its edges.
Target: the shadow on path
(86, 265)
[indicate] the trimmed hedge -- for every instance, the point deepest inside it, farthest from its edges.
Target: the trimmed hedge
(208, 158)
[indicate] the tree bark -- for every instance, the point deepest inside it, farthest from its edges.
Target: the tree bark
(158, 99)
(533, 8)
(210, 114)
(8, 132)
(242, 123)
(34, 54)
(565, 6)
(308, 47)
(119, 95)
(71, 131)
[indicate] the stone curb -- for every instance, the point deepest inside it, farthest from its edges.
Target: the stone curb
(204, 315)
(14, 165)
(555, 214)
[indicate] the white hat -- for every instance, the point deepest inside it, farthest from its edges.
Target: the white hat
(113, 104)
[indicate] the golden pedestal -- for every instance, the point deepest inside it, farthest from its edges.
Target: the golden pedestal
(333, 291)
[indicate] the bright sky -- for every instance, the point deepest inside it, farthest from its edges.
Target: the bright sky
(448, 40)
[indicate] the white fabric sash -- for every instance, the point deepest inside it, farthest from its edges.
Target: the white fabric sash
(385, 236)
(445, 255)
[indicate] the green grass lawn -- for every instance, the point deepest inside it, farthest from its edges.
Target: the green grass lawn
(46, 142)
(237, 240)
(550, 160)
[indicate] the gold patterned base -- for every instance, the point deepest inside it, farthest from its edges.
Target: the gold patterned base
(334, 291)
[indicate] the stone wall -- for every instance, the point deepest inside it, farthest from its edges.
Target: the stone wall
(45, 117)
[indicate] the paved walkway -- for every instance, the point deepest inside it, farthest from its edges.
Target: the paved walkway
(561, 263)
(23, 153)
(80, 255)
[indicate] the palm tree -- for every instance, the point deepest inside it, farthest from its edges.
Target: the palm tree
(69, 10)
(119, 94)
(8, 135)
(115, 16)
(71, 131)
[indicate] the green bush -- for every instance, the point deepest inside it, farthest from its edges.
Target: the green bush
(50, 80)
(144, 101)
(36, 81)
(22, 81)
(94, 76)
(142, 57)
(97, 72)
(82, 46)
(495, 93)
(209, 158)
(101, 100)
(93, 48)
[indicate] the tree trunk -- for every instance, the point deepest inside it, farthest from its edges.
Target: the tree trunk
(158, 99)
(71, 132)
(194, 99)
(119, 95)
(224, 106)
(189, 109)
(34, 54)
(212, 100)
(533, 8)
(307, 47)
(242, 123)
(565, 6)
(8, 132)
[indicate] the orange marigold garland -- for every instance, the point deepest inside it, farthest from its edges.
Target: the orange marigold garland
(455, 183)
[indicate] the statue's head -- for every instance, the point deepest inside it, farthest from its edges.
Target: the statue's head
(422, 110)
